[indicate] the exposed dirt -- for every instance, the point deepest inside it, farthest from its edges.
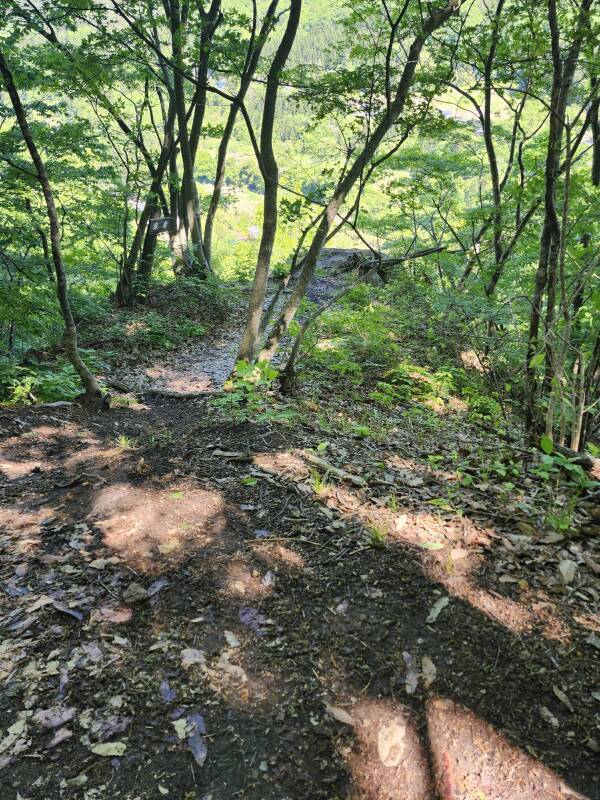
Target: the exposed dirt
(188, 612)
(206, 365)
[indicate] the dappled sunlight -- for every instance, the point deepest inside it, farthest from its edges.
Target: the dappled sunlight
(31, 450)
(455, 565)
(452, 551)
(23, 526)
(278, 556)
(151, 527)
(242, 580)
(472, 760)
(589, 621)
(472, 360)
(103, 456)
(13, 469)
(232, 676)
(452, 754)
(172, 379)
(389, 759)
(288, 464)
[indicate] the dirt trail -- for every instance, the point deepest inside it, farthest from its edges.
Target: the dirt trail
(189, 610)
(188, 617)
(204, 367)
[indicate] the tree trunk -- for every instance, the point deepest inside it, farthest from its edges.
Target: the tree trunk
(344, 186)
(562, 80)
(270, 172)
(195, 259)
(125, 292)
(92, 389)
(247, 76)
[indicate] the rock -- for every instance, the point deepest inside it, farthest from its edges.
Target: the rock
(567, 570)
(391, 743)
(135, 593)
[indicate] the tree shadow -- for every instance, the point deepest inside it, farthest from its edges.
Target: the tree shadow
(292, 609)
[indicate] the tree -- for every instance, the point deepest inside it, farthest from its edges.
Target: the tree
(92, 389)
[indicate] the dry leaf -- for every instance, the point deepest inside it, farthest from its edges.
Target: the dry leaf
(109, 749)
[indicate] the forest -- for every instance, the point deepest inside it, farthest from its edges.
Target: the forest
(300, 399)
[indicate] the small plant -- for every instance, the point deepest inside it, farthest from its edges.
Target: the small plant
(561, 519)
(318, 482)
(552, 463)
(245, 395)
(377, 536)
(126, 442)
(37, 383)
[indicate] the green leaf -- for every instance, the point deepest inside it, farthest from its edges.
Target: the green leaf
(537, 360)
(249, 481)
(432, 545)
(546, 444)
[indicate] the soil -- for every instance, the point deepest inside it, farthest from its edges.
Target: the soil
(206, 365)
(189, 611)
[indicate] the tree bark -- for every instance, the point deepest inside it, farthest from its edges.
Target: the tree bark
(125, 292)
(247, 76)
(562, 80)
(271, 179)
(195, 259)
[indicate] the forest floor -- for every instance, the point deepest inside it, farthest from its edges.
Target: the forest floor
(194, 608)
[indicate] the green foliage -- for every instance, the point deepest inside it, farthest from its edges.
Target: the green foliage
(37, 383)
(246, 395)
(151, 330)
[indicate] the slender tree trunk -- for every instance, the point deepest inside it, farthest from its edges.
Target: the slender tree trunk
(125, 292)
(247, 76)
(595, 115)
(92, 389)
(488, 137)
(353, 174)
(270, 172)
(195, 261)
(562, 80)
(210, 23)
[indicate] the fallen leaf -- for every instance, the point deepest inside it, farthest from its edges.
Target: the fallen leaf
(549, 717)
(190, 656)
(99, 563)
(567, 570)
(400, 523)
(196, 741)
(527, 529)
(116, 614)
(231, 639)
(109, 749)
(436, 609)
(43, 600)
(53, 717)
(428, 671)
(412, 676)
(391, 743)
(61, 735)
(167, 693)
(563, 698)
(339, 713)
(71, 612)
(135, 593)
